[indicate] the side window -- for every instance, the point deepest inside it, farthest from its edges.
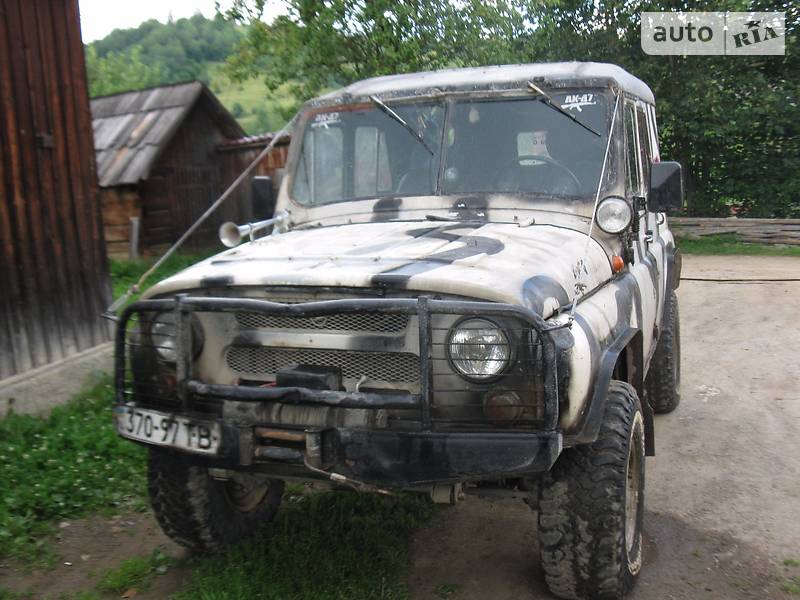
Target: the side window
(632, 151)
(371, 175)
(645, 149)
(654, 132)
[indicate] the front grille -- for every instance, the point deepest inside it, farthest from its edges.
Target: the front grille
(379, 366)
(375, 322)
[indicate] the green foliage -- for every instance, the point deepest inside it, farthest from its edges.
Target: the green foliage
(125, 273)
(733, 122)
(63, 466)
(182, 49)
(447, 590)
(322, 546)
(792, 586)
(320, 45)
(121, 71)
(727, 244)
(9, 595)
(137, 572)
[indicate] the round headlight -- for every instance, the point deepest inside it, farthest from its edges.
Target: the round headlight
(478, 349)
(614, 214)
(162, 336)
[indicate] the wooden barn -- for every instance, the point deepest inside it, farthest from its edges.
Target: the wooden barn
(54, 281)
(163, 156)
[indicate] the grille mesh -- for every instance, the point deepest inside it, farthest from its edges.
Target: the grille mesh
(341, 322)
(380, 366)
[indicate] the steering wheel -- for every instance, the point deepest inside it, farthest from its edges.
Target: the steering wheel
(552, 162)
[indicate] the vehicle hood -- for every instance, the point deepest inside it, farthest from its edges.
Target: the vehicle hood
(534, 266)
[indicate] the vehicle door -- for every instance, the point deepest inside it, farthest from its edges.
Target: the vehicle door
(649, 247)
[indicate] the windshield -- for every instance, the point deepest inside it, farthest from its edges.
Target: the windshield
(518, 145)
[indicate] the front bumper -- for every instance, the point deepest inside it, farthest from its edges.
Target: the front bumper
(374, 455)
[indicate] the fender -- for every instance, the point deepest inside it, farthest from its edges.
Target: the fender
(629, 339)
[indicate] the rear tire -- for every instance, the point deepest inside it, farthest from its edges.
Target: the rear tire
(202, 513)
(663, 382)
(591, 507)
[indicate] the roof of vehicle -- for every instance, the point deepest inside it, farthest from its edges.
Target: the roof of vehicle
(560, 74)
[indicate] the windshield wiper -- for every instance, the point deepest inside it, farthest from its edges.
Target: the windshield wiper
(545, 99)
(402, 122)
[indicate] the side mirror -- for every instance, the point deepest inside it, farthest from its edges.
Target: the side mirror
(666, 187)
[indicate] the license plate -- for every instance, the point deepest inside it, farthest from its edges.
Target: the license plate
(163, 429)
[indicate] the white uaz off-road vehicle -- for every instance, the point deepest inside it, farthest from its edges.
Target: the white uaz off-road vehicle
(470, 286)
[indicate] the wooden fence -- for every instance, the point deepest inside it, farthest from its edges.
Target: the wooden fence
(761, 231)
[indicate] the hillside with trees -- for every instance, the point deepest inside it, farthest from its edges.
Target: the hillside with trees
(157, 53)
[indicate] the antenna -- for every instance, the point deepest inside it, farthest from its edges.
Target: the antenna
(580, 266)
(115, 306)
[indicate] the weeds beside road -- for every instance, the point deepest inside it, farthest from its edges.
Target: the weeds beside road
(64, 466)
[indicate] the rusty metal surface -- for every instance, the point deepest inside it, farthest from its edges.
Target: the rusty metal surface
(52, 263)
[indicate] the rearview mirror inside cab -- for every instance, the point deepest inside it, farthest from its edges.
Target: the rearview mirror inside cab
(666, 187)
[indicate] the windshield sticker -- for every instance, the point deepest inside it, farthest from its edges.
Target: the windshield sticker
(578, 101)
(325, 119)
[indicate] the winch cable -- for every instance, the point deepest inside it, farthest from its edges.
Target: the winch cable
(111, 311)
(580, 266)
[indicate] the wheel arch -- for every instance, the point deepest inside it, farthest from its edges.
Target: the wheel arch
(623, 360)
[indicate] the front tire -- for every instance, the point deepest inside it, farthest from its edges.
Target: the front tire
(591, 507)
(202, 513)
(663, 383)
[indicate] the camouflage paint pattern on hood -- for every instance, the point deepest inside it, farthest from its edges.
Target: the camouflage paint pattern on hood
(533, 266)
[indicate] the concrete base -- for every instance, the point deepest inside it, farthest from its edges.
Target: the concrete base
(39, 390)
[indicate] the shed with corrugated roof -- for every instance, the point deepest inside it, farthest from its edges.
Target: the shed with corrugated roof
(160, 165)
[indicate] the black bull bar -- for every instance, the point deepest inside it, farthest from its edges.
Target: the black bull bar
(385, 457)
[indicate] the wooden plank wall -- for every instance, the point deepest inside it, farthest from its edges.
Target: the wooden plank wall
(119, 205)
(53, 273)
(761, 231)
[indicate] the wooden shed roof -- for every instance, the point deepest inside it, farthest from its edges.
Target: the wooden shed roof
(132, 128)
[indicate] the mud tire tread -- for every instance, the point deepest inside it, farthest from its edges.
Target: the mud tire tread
(582, 509)
(662, 385)
(193, 509)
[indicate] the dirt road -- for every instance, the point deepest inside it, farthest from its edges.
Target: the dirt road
(723, 491)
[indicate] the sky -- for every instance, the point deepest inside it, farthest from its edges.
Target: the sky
(101, 17)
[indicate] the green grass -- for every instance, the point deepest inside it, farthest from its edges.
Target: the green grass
(9, 595)
(322, 546)
(792, 586)
(791, 562)
(727, 244)
(446, 590)
(137, 572)
(61, 467)
(124, 273)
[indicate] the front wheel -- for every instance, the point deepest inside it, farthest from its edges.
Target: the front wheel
(202, 513)
(591, 506)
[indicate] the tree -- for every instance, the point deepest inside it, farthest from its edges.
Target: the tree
(320, 44)
(120, 72)
(733, 122)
